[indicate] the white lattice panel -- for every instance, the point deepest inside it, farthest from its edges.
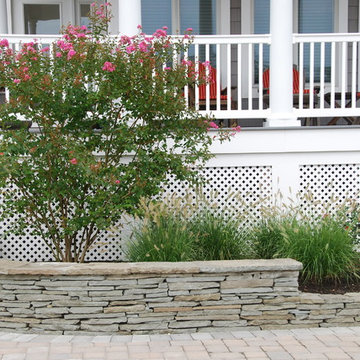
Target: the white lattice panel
(231, 189)
(250, 184)
(330, 184)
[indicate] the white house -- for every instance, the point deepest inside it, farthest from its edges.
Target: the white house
(242, 38)
(319, 37)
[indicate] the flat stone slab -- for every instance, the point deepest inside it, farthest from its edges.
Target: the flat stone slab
(8, 267)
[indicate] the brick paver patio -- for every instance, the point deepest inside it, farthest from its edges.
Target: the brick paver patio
(324, 343)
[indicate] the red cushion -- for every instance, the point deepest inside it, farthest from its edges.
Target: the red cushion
(266, 81)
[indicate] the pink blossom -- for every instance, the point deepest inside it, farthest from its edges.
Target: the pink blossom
(1, 153)
(81, 35)
(45, 49)
(74, 161)
(159, 33)
(108, 66)
(30, 49)
(83, 27)
(107, 4)
(71, 53)
(25, 69)
(117, 181)
(186, 62)
(17, 81)
(4, 42)
(64, 46)
(165, 27)
(93, 4)
(27, 77)
(130, 49)
(58, 54)
(213, 125)
(124, 40)
(237, 128)
(186, 36)
(143, 46)
(98, 12)
(206, 63)
(189, 29)
(167, 68)
(139, 27)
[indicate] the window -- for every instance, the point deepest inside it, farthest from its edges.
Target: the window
(261, 26)
(84, 12)
(155, 14)
(41, 19)
(197, 14)
(316, 17)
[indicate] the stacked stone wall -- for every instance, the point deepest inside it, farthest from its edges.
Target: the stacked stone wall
(164, 298)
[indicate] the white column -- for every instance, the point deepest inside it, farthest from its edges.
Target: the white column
(3, 17)
(281, 62)
(129, 16)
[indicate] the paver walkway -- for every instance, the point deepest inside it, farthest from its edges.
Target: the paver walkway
(325, 343)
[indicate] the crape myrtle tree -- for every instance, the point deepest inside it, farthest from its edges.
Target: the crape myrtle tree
(112, 123)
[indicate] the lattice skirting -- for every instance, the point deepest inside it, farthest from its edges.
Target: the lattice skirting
(252, 185)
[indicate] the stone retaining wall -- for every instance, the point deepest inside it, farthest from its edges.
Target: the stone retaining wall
(163, 297)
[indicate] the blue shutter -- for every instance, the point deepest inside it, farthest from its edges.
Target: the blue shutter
(261, 26)
(316, 17)
(200, 15)
(155, 14)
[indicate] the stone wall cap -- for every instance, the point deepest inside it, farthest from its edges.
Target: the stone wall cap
(8, 267)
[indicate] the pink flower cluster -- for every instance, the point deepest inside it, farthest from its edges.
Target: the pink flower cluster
(206, 64)
(160, 33)
(212, 125)
(100, 11)
(236, 130)
(4, 43)
(76, 32)
(108, 66)
(186, 62)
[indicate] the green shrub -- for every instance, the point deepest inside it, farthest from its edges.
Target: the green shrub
(325, 249)
(267, 237)
(218, 237)
(165, 238)
(109, 131)
(173, 233)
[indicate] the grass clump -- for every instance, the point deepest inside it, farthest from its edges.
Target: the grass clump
(167, 233)
(218, 237)
(267, 236)
(164, 237)
(184, 230)
(326, 250)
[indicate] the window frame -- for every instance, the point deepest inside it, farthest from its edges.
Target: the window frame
(77, 5)
(220, 6)
(65, 11)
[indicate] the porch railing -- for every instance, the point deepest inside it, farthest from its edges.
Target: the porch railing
(328, 67)
(332, 62)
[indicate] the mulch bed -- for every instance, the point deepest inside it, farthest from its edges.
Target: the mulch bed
(341, 287)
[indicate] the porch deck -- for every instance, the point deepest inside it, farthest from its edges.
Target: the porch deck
(328, 66)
